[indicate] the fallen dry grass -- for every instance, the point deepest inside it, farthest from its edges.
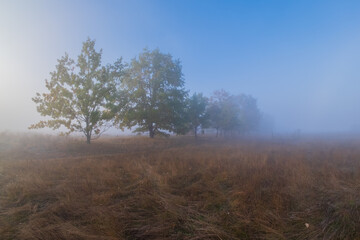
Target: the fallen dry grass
(178, 188)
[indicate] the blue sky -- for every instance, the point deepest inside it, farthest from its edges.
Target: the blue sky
(300, 59)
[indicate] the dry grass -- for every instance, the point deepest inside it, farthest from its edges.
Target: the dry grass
(138, 188)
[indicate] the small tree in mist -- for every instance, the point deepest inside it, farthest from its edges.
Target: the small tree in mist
(248, 113)
(222, 112)
(155, 88)
(198, 116)
(214, 112)
(233, 113)
(79, 94)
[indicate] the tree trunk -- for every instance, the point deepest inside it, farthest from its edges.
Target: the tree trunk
(195, 132)
(88, 131)
(151, 131)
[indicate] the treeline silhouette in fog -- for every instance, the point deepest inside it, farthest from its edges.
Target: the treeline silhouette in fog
(148, 93)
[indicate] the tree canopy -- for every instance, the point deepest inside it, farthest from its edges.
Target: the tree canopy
(197, 112)
(155, 86)
(79, 94)
(148, 94)
(233, 113)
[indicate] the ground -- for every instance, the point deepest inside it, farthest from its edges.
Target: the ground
(179, 188)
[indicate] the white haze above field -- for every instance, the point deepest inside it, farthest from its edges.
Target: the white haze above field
(300, 59)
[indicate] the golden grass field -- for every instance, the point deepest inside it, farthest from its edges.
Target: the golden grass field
(179, 188)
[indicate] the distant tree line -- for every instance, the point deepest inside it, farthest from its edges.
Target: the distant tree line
(148, 93)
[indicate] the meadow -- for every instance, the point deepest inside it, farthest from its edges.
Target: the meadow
(179, 188)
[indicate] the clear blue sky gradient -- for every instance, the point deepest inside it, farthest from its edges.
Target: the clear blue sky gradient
(300, 59)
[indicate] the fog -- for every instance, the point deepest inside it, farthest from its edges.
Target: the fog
(299, 60)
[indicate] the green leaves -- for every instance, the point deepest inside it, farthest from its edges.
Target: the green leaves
(197, 114)
(156, 97)
(79, 94)
(87, 97)
(233, 113)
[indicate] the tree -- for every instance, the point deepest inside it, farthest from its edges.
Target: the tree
(79, 94)
(249, 113)
(223, 112)
(214, 112)
(197, 113)
(230, 113)
(155, 87)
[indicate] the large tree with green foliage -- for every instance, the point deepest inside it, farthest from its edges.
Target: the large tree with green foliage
(79, 94)
(156, 94)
